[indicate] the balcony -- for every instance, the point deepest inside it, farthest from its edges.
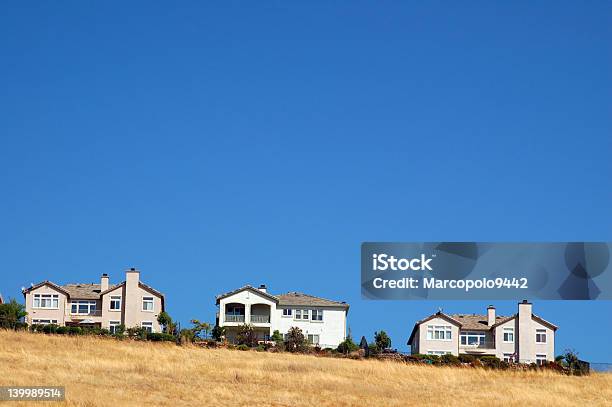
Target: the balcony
(260, 319)
(477, 347)
(234, 318)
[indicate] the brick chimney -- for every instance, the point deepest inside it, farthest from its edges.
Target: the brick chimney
(104, 282)
(490, 315)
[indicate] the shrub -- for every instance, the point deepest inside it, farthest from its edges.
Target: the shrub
(449, 359)
(246, 336)
(382, 340)
(373, 349)
(261, 348)
(62, 330)
(218, 333)
(75, 330)
(242, 346)
(49, 328)
(277, 338)
(347, 346)
(491, 361)
(160, 337)
(295, 341)
(463, 358)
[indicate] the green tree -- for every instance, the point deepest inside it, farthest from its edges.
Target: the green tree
(246, 336)
(277, 337)
(347, 346)
(382, 340)
(200, 329)
(218, 333)
(165, 320)
(295, 342)
(11, 314)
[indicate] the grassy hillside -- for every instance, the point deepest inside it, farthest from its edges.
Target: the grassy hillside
(111, 373)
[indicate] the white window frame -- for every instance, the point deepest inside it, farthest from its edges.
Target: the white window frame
(508, 335)
(39, 299)
(439, 333)
(541, 358)
(89, 304)
(540, 336)
(287, 312)
(147, 325)
(148, 300)
(316, 315)
(466, 335)
(44, 321)
(313, 339)
(112, 326)
(301, 314)
(115, 299)
(438, 352)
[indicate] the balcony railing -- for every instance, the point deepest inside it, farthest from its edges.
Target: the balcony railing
(481, 345)
(260, 319)
(96, 313)
(234, 318)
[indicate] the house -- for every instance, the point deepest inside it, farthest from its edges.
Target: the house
(130, 303)
(523, 337)
(322, 321)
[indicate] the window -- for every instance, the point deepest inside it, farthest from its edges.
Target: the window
(44, 321)
(313, 339)
(472, 338)
(82, 307)
(508, 357)
(115, 303)
(301, 314)
(438, 352)
(287, 312)
(439, 332)
(316, 315)
(540, 359)
(113, 325)
(46, 301)
(509, 335)
(148, 326)
(540, 335)
(147, 304)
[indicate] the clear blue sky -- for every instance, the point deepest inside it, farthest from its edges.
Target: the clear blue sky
(217, 146)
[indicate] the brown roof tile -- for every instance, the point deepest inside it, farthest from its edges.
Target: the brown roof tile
(300, 299)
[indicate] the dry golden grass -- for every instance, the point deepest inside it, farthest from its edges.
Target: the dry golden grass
(105, 372)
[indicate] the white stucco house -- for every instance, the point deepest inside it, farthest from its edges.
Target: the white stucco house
(322, 321)
(523, 337)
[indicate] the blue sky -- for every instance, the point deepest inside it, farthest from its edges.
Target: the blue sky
(215, 146)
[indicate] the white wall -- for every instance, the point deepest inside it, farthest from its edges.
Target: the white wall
(425, 345)
(331, 331)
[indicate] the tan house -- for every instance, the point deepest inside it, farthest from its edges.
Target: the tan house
(523, 337)
(130, 303)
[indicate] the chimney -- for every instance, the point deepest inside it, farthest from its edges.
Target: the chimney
(104, 282)
(526, 350)
(263, 288)
(132, 300)
(490, 315)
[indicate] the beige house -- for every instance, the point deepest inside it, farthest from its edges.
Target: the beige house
(523, 337)
(130, 303)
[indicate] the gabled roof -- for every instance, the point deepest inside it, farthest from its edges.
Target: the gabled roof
(438, 314)
(293, 298)
(244, 288)
(533, 316)
(478, 322)
(141, 285)
(46, 282)
(300, 299)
